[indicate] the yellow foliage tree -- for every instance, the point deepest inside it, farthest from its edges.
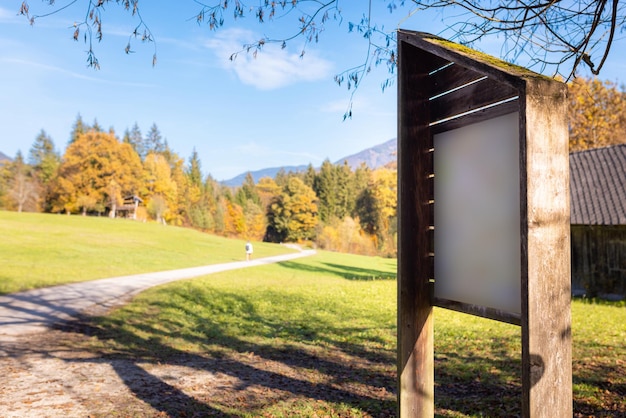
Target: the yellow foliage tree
(180, 180)
(255, 221)
(385, 183)
(377, 208)
(158, 184)
(597, 114)
(96, 171)
(292, 215)
(267, 189)
(346, 236)
(234, 220)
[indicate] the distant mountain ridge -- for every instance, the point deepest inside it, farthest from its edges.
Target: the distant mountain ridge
(4, 157)
(259, 174)
(374, 157)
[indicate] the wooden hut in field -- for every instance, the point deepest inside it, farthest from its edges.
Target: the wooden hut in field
(128, 209)
(598, 219)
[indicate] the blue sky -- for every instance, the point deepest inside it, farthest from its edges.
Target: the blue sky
(277, 109)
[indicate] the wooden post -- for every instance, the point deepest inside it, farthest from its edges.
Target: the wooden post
(546, 329)
(415, 266)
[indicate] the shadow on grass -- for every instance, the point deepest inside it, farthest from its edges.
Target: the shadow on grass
(466, 383)
(489, 384)
(229, 337)
(272, 359)
(347, 272)
(608, 384)
(477, 384)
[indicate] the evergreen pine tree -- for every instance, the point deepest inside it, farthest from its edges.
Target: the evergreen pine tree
(135, 139)
(194, 170)
(96, 126)
(43, 157)
(247, 192)
(154, 140)
(309, 176)
(78, 129)
(325, 188)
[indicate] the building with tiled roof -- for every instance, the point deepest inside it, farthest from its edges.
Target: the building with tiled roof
(598, 218)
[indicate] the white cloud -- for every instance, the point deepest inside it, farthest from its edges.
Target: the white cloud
(11, 16)
(272, 68)
(71, 74)
(5, 13)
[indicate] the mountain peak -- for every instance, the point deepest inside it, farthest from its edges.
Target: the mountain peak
(4, 157)
(374, 157)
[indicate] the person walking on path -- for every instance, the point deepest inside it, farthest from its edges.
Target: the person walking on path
(249, 251)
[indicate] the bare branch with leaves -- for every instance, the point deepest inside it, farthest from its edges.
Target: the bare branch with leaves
(91, 24)
(550, 36)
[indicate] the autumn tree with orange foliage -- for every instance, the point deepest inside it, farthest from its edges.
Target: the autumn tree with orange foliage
(97, 171)
(376, 207)
(597, 114)
(159, 187)
(234, 220)
(267, 189)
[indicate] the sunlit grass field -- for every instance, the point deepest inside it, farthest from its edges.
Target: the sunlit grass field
(311, 337)
(38, 250)
(321, 333)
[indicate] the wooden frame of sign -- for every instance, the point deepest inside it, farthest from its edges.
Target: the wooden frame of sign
(448, 93)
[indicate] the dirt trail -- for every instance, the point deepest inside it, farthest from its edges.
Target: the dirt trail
(49, 368)
(35, 310)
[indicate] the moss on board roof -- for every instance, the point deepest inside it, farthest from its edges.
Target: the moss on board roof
(480, 56)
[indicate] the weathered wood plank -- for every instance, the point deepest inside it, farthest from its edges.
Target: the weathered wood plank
(415, 323)
(432, 62)
(474, 96)
(475, 117)
(481, 311)
(546, 322)
(451, 77)
(599, 259)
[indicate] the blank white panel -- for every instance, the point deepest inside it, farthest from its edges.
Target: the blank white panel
(477, 214)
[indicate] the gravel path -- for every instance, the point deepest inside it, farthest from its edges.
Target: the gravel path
(48, 370)
(55, 361)
(36, 310)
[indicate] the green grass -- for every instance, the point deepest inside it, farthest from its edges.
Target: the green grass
(311, 337)
(316, 337)
(38, 250)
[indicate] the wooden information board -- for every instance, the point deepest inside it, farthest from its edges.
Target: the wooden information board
(483, 179)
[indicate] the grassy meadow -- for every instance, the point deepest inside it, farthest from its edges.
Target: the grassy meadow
(312, 337)
(38, 250)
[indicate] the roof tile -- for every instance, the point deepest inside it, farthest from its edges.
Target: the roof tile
(598, 186)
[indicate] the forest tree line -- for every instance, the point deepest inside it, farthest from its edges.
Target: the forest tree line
(335, 207)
